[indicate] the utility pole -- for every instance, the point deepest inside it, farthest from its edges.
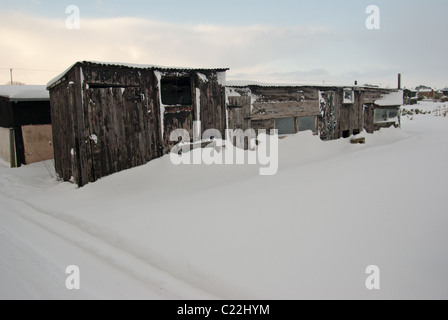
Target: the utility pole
(11, 76)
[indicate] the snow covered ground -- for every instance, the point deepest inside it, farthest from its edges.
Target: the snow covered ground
(428, 106)
(198, 232)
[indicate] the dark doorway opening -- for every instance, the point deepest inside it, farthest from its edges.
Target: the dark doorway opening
(176, 91)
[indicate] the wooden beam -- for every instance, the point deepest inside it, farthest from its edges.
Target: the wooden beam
(12, 149)
(80, 129)
(264, 111)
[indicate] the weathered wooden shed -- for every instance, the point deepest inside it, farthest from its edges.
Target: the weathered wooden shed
(25, 125)
(330, 112)
(112, 117)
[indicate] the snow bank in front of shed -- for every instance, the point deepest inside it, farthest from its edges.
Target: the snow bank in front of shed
(309, 232)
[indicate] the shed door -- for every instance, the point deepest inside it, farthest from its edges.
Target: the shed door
(239, 113)
(119, 137)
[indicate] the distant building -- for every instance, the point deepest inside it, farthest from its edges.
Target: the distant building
(410, 96)
(25, 125)
(426, 93)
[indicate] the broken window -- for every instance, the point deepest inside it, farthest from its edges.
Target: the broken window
(307, 124)
(176, 91)
(349, 96)
(285, 126)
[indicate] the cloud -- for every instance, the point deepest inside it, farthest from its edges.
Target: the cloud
(32, 42)
(256, 52)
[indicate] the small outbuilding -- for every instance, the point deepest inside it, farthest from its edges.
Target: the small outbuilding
(110, 117)
(25, 125)
(382, 111)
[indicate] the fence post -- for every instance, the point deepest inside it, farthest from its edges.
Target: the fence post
(12, 149)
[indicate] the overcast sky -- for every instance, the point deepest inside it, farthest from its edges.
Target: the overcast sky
(288, 41)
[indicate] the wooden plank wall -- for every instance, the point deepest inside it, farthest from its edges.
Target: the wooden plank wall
(373, 94)
(284, 102)
(80, 128)
(62, 106)
(116, 131)
(369, 118)
(213, 103)
(267, 125)
(239, 113)
(349, 117)
(275, 103)
(38, 143)
(122, 119)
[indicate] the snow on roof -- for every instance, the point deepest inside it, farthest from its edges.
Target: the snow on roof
(134, 66)
(245, 84)
(25, 93)
(391, 99)
(248, 83)
(425, 90)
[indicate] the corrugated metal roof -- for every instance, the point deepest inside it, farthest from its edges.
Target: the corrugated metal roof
(152, 66)
(133, 66)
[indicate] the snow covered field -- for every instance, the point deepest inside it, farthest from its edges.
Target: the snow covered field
(198, 232)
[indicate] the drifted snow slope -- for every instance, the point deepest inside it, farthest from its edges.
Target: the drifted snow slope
(166, 232)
